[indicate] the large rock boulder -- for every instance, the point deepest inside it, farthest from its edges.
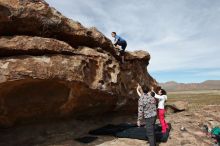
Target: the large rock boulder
(52, 67)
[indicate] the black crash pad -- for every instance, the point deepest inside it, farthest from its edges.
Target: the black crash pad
(111, 129)
(126, 130)
(86, 139)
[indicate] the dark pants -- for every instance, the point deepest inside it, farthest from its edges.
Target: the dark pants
(150, 129)
(123, 45)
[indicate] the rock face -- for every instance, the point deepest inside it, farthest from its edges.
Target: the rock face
(51, 66)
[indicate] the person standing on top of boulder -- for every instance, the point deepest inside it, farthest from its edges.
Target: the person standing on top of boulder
(162, 97)
(120, 43)
(147, 110)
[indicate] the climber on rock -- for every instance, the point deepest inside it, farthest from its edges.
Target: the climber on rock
(120, 44)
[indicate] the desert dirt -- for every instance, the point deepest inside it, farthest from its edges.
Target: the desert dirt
(204, 107)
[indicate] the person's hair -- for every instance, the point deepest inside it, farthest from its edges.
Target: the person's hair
(157, 89)
(163, 92)
(152, 94)
(114, 32)
(145, 89)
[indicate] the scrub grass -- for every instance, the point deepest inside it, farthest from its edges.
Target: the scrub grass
(196, 99)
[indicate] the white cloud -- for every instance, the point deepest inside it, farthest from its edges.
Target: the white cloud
(213, 73)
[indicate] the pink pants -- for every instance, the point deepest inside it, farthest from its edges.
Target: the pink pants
(164, 125)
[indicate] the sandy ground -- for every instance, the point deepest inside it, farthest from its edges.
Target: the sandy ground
(63, 132)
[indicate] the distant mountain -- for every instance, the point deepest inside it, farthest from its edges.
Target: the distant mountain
(206, 85)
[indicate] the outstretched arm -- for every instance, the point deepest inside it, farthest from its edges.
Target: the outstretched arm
(158, 96)
(139, 90)
(116, 40)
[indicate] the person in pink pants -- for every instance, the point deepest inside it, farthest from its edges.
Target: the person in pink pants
(162, 97)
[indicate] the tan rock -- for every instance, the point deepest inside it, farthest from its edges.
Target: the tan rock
(138, 55)
(32, 45)
(53, 67)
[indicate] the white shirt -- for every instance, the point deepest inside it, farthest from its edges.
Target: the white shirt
(162, 99)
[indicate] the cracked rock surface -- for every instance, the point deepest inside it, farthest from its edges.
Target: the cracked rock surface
(54, 67)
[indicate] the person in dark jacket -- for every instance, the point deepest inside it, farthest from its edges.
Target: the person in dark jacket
(119, 42)
(147, 110)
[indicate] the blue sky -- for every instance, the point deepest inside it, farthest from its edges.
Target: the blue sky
(182, 36)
